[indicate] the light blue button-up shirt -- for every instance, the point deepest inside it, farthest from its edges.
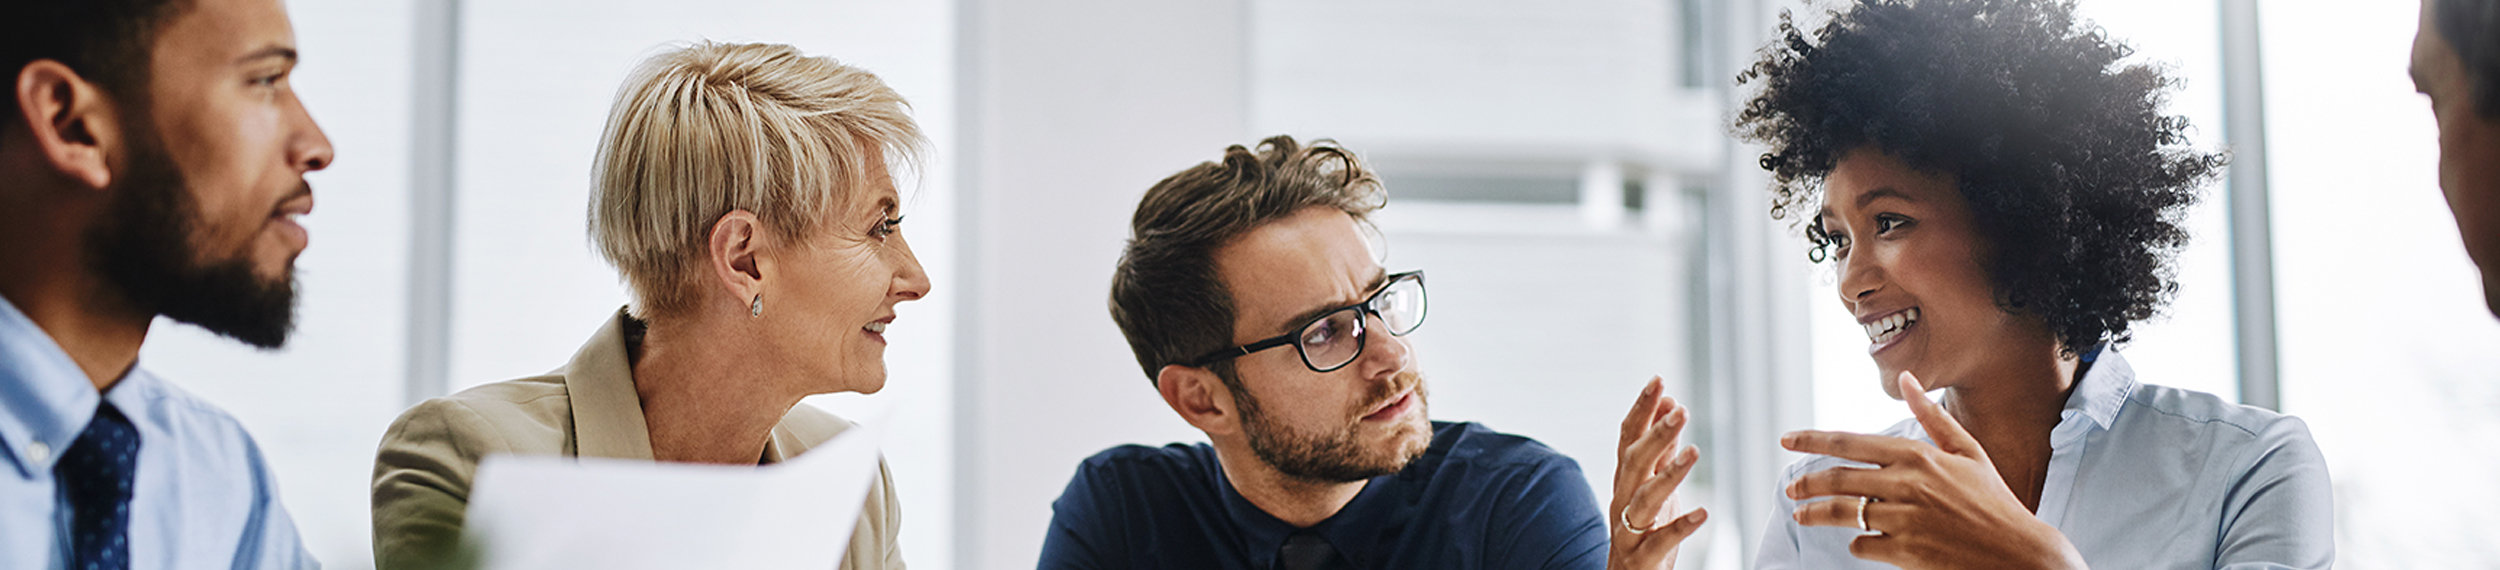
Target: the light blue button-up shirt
(202, 497)
(2141, 477)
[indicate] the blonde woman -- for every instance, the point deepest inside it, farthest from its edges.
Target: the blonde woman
(741, 190)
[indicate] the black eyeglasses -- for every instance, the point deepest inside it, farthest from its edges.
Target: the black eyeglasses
(1335, 339)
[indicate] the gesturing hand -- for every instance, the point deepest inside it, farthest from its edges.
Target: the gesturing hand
(1928, 506)
(1650, 463)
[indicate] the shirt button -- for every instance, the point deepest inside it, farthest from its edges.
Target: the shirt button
(36, 452)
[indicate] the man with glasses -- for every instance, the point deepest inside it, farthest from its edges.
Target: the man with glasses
(1256, 306)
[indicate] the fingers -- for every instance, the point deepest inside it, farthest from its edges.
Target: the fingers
(1643, 418)
(1941, 427)
(1863, 448)
(1876, 547)
(1649, 453)
(1650, 464)
(1651, 549)
(1649, 500)
(1840, 482)
(1643, 412)
(1842, 512)
(1666, 538)
(1836, 511)
(1643, 456)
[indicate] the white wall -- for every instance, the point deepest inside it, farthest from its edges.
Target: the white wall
(1074, 108)
(1584, 76)
(2388, 351)
(1544, 327)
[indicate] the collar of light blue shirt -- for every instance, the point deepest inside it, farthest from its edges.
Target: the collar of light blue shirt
(2097, 398)
(48, 399)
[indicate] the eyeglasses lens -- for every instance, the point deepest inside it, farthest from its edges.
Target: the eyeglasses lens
(1334, 340)
(1402, 306)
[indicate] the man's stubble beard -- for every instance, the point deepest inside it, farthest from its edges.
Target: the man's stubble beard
(1338, 456)
(144, 252)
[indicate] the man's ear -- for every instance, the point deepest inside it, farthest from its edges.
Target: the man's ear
(736, 247)
(68, 120)
(1199, 397)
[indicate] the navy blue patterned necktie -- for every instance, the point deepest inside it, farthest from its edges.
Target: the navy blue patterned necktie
(95, 476)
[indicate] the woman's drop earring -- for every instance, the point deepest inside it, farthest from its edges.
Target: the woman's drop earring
(756, 309)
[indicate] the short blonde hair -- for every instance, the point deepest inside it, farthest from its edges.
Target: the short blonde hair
(703, 130)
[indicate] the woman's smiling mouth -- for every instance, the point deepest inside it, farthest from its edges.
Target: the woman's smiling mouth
(1883, 331)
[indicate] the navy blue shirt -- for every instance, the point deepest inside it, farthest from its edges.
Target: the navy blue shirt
(1476, 499)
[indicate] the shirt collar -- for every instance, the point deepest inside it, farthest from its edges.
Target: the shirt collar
(607, 413)
(48, 399)
(2098, 397)
(1261, 533)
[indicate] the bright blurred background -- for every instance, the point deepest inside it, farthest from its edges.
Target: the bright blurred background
(1560, 167)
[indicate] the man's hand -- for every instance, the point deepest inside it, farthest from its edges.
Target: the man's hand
(1650, 462)
(1926, 506)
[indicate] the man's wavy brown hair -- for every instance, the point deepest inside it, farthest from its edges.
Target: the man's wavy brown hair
(1166, 295)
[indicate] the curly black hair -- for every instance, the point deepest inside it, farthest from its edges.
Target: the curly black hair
(2072, 172)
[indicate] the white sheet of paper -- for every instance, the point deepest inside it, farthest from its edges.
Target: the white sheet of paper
(529, 513)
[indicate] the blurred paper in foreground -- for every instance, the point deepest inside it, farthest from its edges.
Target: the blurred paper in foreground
(530, 513)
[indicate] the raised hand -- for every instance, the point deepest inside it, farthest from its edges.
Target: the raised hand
(1650, 462)
(1924, 506)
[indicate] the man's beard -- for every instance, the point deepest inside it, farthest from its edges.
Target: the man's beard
(1336, 457)
(143, 249)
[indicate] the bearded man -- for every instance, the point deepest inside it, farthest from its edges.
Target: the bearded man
(152, 163)
(1253, 301)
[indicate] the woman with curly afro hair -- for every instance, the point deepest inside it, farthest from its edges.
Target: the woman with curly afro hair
(2001, 197)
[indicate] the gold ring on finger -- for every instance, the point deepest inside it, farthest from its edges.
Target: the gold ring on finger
(1862, 502)
(1626, 516)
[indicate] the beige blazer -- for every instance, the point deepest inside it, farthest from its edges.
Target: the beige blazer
(588, 409)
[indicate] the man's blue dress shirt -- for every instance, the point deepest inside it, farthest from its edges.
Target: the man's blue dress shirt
(1476, 499)
(203, 498)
